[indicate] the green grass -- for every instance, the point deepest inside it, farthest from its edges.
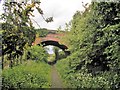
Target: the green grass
(51, 58)
(28, 75)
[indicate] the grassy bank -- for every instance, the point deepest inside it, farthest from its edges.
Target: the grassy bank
(28, 75)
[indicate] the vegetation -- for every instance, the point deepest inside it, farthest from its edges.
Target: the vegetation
(37, 53)
(17, 37)
(27, 75)
(57, 55)
(94, 43)
(41, 32)
(92, 38)
(18, 32)
(51, 57)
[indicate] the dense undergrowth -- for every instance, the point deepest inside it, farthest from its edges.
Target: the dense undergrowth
(81, 79)
(27, 75)
(94, 42)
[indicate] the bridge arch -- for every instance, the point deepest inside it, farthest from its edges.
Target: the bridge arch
(57, 44)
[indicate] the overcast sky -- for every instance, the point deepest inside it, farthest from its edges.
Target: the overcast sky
(1, 2)
(61, 11)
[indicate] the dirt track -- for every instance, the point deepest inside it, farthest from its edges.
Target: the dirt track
(56, 81)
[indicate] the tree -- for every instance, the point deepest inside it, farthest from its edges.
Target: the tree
(17, 30)
(38, 53)
(56, 51)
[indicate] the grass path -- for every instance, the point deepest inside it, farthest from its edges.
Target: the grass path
(56, 80)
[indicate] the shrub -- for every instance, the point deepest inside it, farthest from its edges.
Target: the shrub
(29, 75)
(79, 79)
(38, 53)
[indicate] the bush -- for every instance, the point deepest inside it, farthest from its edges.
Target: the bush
(79, 79)
(95, 46)
(38, 53)
(106, 80)
(30, 75)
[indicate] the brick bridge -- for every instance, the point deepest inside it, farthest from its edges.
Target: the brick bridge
(52, 38)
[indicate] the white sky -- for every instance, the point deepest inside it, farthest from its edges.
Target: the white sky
(1, 2)
(49, 49)
(61, 11)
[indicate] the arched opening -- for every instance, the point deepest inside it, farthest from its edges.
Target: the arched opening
(56, 44)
